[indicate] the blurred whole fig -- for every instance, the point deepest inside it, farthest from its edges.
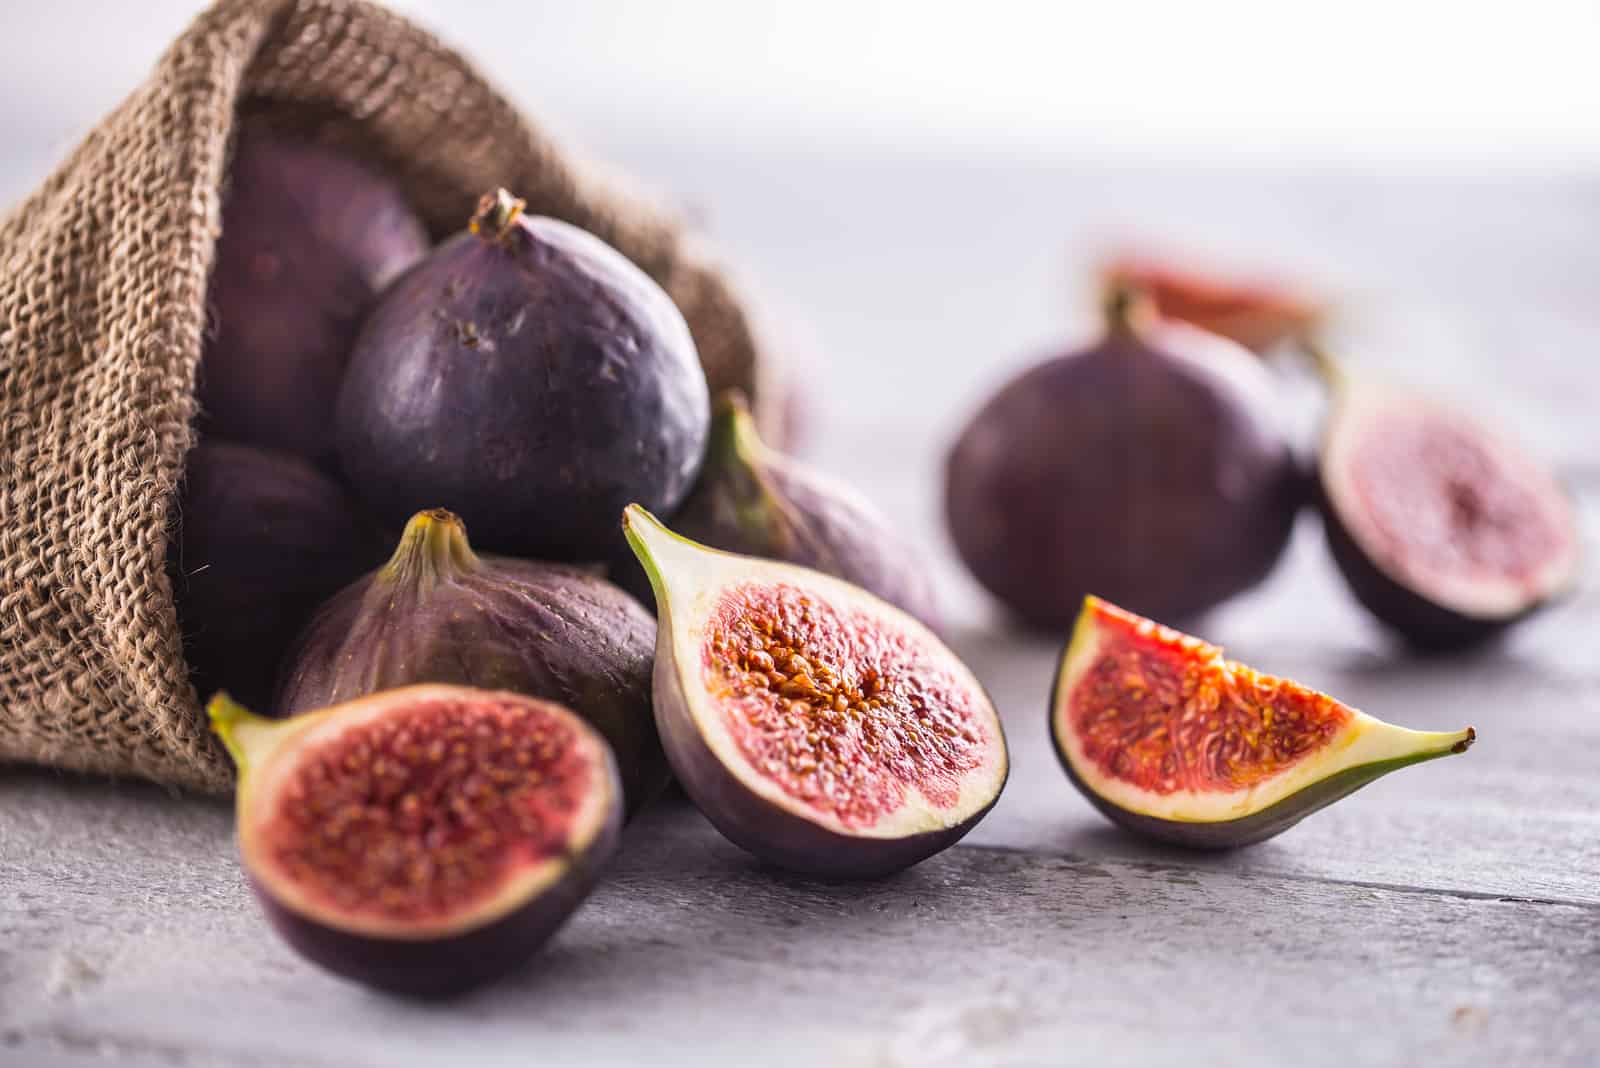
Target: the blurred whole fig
(1147, 469)
(754, 500)
(310, 236)
(262, 538)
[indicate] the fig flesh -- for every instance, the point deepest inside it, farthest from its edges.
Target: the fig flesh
(815, 725)
(1149, 467)
(752, 499)
(421, 840)
(262, 538)
(1445, 528)
(532, 380)
(1259, 315)
(310, 237)
(1173, 742)
(438, 612)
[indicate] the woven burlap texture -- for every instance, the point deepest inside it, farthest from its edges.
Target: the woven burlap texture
(102, 309)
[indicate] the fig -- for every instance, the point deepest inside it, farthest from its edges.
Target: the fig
(261, 539)
(438, 612)
(1149, 468)
(814, 724)
(1260, 315)
(1445, 528)
(1173, 742)
(422, 840)
(310, 236)
(752, 499)
(532, 380)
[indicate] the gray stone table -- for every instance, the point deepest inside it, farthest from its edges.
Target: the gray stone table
(1450, 914)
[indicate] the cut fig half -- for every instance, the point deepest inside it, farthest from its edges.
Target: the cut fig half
(1171, 741)
(1445, 528)
(426, 839)
(815, 725)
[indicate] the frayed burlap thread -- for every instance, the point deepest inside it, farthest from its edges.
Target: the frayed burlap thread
(102, 311)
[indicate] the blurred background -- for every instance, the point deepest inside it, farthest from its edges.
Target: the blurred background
(919, 191)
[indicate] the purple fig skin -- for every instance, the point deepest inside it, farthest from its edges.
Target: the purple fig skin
(1427, 627)
(445, 967)
(310, 237)
(1147, 469)
(753, 500)
(767, 831)
(532, 380)
(261, 539)
(466, 943)
(438, 612)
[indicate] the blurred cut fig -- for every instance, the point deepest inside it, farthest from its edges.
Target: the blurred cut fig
(438, 612)
(532, 380)
(752, 499)
(1172, 742)
(818, 727)
(421, 840)
(1445, 528)
(310, 236)
(1149, 467)
(262, 538)
(1258, 315)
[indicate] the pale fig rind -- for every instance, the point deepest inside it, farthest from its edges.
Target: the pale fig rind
(1363, 750)
(439, 612)
(483, 941)
(1431, 609)
(749, 808)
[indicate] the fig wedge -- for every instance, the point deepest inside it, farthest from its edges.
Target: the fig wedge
(422, 840)
(1173, 742)
(815, 725)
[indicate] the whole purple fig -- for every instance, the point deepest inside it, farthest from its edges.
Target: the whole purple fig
(752, 499)
(262, 538)
(438, 612)
(529, 378)
(310, 237)
(1148, 469)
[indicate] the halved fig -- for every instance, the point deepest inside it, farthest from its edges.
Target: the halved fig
(1444, 527)
(1256, 313)
(422, 840)
(815, 725)
(1171, 741)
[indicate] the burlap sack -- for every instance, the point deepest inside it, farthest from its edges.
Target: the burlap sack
(102, 306)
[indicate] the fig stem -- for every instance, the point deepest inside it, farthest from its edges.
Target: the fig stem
(236, 725)
(1126, 307)
(434, 546)
(1328, 369)
(497, 213)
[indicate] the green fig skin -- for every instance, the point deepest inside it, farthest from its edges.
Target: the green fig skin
(438, 612)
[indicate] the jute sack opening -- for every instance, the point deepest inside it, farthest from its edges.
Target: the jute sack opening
(102, 308)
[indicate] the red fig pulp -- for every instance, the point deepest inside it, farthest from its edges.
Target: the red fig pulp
(814, 724)
(422, 840)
